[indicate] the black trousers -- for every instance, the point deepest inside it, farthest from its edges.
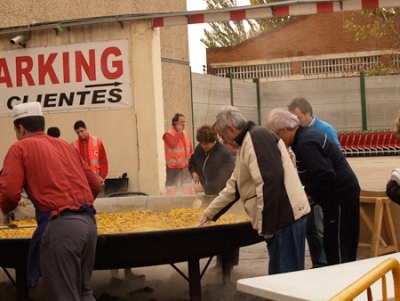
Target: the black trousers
(341, 230)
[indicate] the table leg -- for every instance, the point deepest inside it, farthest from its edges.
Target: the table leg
(194, 280)
(228, 260)
(21, 283)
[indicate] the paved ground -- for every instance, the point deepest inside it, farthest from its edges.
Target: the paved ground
(163, 283)
(374, 172)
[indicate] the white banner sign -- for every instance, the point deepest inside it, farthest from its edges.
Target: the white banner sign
(85, 76)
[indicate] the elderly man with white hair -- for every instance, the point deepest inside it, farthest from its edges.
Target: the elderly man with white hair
(266, 182)
(328, 179)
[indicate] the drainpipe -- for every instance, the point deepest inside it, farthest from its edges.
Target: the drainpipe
(363, 102)
(191, 100)
(230, 76)
(257, 82)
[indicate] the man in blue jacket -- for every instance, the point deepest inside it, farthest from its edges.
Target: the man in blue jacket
(315, 229)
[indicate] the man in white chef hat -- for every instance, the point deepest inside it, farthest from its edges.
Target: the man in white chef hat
(62, 189)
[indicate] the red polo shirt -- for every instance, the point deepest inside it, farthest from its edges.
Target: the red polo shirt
(52, 173)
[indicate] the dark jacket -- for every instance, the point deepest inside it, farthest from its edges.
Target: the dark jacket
(324, 171)
(214, 168)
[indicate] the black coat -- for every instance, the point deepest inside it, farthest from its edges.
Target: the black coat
(214, 168)
(325, 173)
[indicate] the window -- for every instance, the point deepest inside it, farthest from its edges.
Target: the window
(257, 71)
(395, 60)
(339, 65)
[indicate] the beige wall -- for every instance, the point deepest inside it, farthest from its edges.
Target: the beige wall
(132, 137)
(176, 75)
(22, 12)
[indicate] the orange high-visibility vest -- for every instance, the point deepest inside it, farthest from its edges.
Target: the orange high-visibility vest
(93, 152)
(179, 156)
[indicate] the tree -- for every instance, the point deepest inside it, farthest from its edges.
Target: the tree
(229, 33)
(382, 21)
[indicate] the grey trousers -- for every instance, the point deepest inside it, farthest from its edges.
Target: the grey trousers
(67, 254)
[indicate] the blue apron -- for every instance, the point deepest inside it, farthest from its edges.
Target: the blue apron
(33, 264)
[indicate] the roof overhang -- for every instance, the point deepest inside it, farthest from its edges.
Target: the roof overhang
(267, 10)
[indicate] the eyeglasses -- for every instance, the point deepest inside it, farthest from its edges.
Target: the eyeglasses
(221, 133)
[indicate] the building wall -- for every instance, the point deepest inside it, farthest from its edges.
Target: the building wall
(175, 75)
(132, 137)
(304, 38)
(20, 12)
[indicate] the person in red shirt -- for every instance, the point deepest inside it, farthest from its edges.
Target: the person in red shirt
(92, 151)
(63, 189)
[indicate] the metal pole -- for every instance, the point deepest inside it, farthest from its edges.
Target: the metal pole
(230, 76)
(257, 82)
(363, 102)
(191, 100)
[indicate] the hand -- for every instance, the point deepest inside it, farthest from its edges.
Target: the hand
(7, 218)
(101, 180)
(22, 203)
(195, 178)
(266, 236)
(198, 188)
(204, 219)
(231, 147)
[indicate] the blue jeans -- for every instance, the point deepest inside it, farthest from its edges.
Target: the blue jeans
(287, 248)
(315, 237)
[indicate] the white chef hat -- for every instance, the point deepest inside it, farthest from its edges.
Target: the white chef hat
(27, 109)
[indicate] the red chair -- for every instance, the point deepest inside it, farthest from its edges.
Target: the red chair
(343, 140)
(379, 143)
(394, 144)
(341, 137)
(387, 144)
(368, 147)
(361, 144)
(373, 143)
(350, 151)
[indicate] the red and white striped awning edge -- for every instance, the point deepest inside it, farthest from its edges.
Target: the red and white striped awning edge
(254, 12)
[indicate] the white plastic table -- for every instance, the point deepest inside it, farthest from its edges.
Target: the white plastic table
(317, 284)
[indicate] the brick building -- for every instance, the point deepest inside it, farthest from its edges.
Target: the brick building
(311, 46)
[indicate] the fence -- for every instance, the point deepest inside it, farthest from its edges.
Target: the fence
(334, 100)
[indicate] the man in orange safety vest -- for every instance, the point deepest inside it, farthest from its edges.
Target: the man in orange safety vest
(178, 150)
(92, 151)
